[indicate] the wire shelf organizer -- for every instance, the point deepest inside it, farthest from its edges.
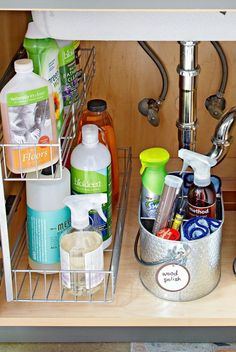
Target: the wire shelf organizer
(25, 285)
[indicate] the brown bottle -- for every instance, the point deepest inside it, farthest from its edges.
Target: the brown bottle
(201, 201)
(202, 194)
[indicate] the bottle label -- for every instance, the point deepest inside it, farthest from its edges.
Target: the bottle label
(209, 211)
(90, 261)
(53, 76)
(44, 230)
(30, 122)
(68, 73)
(89, 182)
(150, 202)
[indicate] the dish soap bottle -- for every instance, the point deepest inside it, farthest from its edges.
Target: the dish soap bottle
(201, 194)
(68, 73)
(47, 216)
(28, 117)
(91, 173)
(153, 173)
(82, 248)
(43, 52)
(97, 114)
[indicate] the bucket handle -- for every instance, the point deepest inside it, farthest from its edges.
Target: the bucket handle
(179, 255)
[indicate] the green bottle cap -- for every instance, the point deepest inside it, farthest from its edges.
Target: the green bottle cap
(153, 157)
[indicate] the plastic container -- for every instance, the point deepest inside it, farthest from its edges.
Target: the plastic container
(97, 114)
(43, 52)
(28, 117)
(47, 218)
(68, 73)
(91, 173)
(170, 193)
(201, 195)
(180, 270)
(81, 247)
(153, 173)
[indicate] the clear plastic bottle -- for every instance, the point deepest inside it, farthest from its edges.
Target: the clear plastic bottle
(97, 114)
(81, 247)
(28, 117)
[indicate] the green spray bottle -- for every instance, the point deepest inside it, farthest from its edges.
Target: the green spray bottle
(44, 54)
(153, 173)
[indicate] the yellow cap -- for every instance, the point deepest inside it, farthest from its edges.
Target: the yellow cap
(153, 157)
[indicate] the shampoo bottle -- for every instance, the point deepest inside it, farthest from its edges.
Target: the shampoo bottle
(43, 52)
(201, 194)
(82, 247)
(47, 217)
(153, 173)
(91, 173)
(28, 119)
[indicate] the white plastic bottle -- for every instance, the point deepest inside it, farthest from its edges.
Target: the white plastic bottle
(47, 218)
(81, 248)
(28, 117)
(91, 173)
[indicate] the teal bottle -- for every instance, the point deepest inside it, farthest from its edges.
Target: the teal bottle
(153, 172)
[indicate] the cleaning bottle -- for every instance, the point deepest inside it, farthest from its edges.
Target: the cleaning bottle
(153, 173)
(97, 114)
(201, 194)
(91, 173)
(47, 217)
(44, 54)
(28, 117)
(82, 247)
(68, 73)
(76, 44)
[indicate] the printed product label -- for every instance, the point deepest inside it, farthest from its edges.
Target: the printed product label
(173, 277)
(88, 182)
(44, 232)
(150, 202)
(30, 122)
(55, 80)
(208, 212)
(68, 73)
(90, 261)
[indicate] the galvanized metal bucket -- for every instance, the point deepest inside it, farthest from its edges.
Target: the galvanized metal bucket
(179, 270)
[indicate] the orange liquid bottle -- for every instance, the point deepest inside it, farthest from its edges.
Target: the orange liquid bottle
(97, 114)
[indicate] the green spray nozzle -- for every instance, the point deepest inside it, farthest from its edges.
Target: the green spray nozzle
(153, 157)
(81, 204)
(201, 165)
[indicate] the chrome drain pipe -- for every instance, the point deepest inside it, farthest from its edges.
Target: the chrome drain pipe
(188, 70)
(222, 138)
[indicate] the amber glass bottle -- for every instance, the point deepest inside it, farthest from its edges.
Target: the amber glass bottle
(97, 114)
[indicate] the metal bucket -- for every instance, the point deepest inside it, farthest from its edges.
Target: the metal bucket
(179, 270)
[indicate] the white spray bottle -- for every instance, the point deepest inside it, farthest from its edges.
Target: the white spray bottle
(82, 247)
(202, 194)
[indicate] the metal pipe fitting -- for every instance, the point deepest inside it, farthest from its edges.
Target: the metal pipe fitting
(188, 70)
(222, 138)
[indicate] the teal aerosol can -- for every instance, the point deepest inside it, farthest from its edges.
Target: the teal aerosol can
(153, 172)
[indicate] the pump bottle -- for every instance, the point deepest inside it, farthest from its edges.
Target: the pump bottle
(201, 194)
(81, 248)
